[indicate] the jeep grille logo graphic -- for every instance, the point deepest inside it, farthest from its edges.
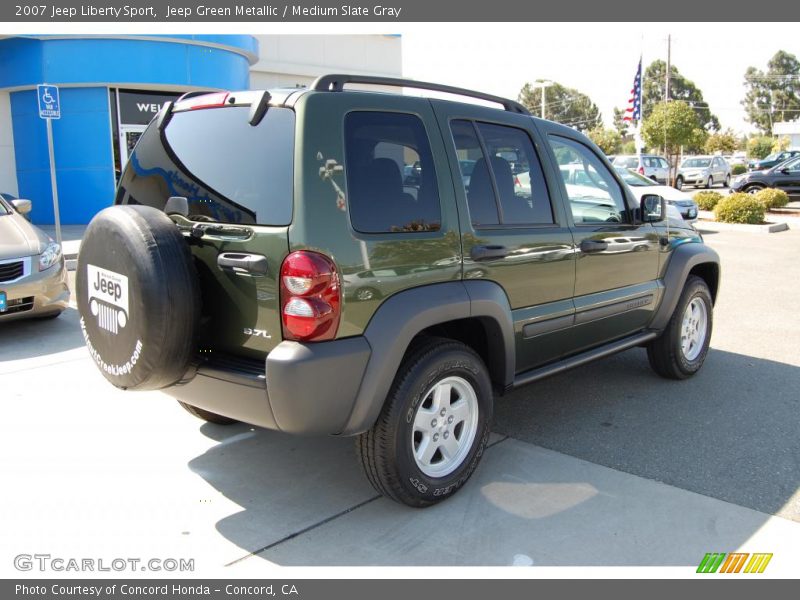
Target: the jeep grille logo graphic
(108, 298)
(716, 562)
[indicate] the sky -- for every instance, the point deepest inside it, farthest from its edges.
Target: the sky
(598, 59)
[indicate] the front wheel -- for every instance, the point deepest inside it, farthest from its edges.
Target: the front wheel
(679, 352)
(753, 189)
(679, 183)
(434, 425)
(710, 183)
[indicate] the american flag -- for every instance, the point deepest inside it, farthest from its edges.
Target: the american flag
(634, 110)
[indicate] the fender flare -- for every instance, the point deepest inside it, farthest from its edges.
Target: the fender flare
(684, 258)
(404, 315)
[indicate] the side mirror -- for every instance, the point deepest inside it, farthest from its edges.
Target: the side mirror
(785, 171)
(653, 208)
(23, 207)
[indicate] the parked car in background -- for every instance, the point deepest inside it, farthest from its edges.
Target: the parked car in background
(785, 176)
(685, 208)
(705, 171)
(33, 274)
(737, 158)
(651, 166)
(772, 160)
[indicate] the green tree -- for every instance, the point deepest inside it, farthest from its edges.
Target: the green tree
(673, 125)
(773, 96)
(562, 104)
(680, 88)
(759, 146)
(724, 142)
(609, 140)
(780, 144)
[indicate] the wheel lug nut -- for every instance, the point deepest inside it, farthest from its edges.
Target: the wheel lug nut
(450, 419)
(446, 434)
(443, 411)
(433, 423)
(435, 437)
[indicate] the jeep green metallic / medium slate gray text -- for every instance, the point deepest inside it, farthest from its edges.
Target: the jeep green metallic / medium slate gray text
(339, 262)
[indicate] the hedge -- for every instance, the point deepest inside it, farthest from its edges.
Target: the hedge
(707, 200)
(740, 208)
(772, 198)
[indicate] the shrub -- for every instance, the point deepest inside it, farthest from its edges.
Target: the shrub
(739, 208)
(707, 200)
(738, 169)
(772, 198)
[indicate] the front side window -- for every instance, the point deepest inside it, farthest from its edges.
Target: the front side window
(391, 180)
(598, 198)
(502, 177)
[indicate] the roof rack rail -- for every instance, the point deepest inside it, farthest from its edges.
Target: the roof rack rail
(336, 83)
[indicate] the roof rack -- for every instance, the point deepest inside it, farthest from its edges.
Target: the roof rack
(336, 83)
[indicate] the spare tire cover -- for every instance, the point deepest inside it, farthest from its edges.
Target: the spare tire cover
(138, 297)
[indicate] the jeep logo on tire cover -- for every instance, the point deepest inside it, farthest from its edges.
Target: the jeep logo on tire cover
(108, 298)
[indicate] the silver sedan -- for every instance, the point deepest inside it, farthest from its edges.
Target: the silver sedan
(33, 274)
(705, 171)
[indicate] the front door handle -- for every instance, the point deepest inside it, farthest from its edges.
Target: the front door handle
(589, 246)
(488, 252)
(243, 264)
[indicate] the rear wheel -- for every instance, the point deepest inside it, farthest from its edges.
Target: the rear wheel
(207, 415)
(679, 352)
(727, 182)
(679, 183)
(434, 425)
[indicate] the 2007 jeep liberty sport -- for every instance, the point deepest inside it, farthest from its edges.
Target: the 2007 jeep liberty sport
(341, 262)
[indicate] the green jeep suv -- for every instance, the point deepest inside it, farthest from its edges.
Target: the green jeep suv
(336, 262)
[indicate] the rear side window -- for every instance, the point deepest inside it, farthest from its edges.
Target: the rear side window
(391, 180)
(501, 174)
(228, 170)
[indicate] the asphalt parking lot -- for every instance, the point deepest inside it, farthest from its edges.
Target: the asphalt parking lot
(607, 465)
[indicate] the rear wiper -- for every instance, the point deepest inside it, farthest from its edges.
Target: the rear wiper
(230, 231)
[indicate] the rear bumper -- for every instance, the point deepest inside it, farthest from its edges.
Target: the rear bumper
(36, 295)
(303, 389)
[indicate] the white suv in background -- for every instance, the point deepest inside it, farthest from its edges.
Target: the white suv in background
(650, 165)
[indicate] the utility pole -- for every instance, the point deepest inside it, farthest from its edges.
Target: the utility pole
(669, 67)
(544, 83)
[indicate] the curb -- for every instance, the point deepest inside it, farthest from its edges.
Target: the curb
(715, 226)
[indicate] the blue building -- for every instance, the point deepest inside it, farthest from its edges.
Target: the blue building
(110, 88)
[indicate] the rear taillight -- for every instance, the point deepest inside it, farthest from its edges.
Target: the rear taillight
(310, 297)
(640, 170)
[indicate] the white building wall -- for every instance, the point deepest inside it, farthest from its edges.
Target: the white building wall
(296, 60)
(8, 166)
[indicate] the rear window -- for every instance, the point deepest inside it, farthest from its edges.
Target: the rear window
(228, 170)
(391, 180)
(629, 162)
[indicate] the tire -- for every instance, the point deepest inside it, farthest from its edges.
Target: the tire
(679, 183)
(138, 297)
(727, 182)
(753, 189)
(710, 183)
(206, 415)
(387, 451)
(667, 355)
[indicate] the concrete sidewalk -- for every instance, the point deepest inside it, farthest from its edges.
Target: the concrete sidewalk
(103, 473)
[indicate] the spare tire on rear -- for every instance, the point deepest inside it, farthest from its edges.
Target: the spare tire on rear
(138, 297)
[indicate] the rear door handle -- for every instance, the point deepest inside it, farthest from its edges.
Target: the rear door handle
(488, 252)
(589, 246)
(243, 264)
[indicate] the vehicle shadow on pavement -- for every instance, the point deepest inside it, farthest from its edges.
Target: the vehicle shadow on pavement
(33, 338)
(305, 501)
(731, 432)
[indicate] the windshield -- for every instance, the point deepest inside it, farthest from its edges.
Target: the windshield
(627, 162)
(696, 163)
(634, 179)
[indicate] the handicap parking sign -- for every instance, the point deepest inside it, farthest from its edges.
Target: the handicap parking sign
(49, 105)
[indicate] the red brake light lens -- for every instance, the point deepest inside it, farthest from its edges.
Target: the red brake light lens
(310, 297)
(641, 170)
(214, 100)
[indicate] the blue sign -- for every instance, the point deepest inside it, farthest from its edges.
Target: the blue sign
(49, 105)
